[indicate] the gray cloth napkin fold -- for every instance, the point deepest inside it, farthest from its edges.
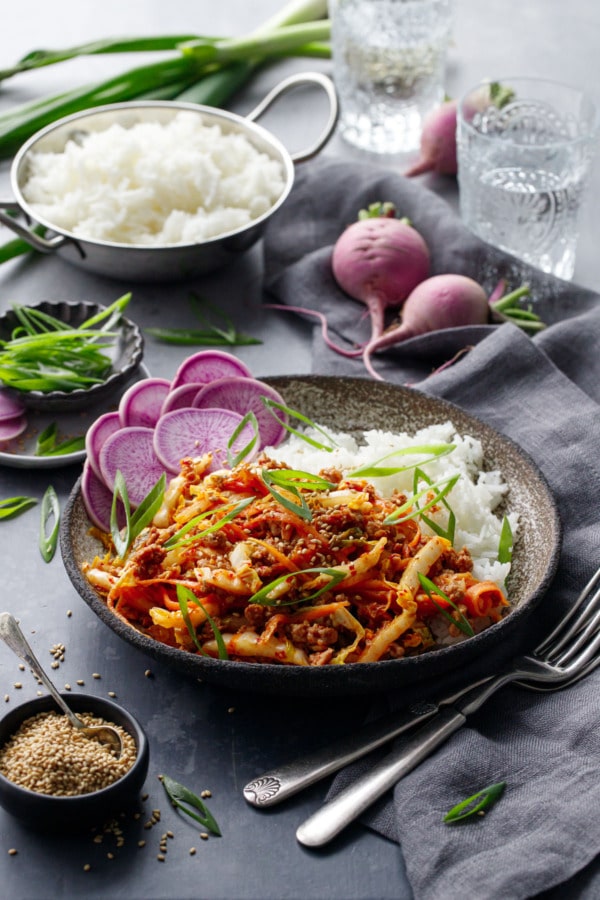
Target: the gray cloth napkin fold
(545, 394)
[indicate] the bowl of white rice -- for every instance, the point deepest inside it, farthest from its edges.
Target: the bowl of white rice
(150, 190)
(371, 420)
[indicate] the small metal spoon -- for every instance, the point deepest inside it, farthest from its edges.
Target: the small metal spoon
(14, 638)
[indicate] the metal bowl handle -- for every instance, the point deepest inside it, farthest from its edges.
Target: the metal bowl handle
(37, 241)
(288, 84)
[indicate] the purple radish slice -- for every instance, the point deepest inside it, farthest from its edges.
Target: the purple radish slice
(181, 397)
(131, 450)
(97, 499)
(10, 407)
(141, 403)
(13, 427)
(208, 365)
(243, 395)
(96, 435)
(194, 432)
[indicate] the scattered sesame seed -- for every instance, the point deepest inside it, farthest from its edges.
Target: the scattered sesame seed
(110, 855)
(231, 709)
(96, 675)
(145, 796)
(98, 839)
(12, 852)
(54, 665)
(148, 673)
(6, 698)
(67, 687)
(141, 843)
(160, 857)
(80, 682)
(21, 667)
(69, 613)
(192, 851)
(206, 794)
(170, 834)
(87, 867)
(204, 835)
(112, 694)
(17, 685)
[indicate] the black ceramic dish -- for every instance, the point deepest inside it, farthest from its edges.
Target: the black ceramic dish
(43, 811)
(346, 404)
(126, 356)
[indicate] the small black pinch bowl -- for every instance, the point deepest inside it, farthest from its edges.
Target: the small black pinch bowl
(126, 355)
(355, 405)
(44, 811)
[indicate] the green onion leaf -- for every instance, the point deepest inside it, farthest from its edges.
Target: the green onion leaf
(470, 807)
(46, 443)
(450, 530)
(272, 405)
(440, 488)
(211, 335)
(184, 594)
(262, 597)
(249, 419)
(137, 521)
(430, 589)
(11, 507)
(300, 509)
(232, 510)
(375, 470)
(182, 798)
(297, 478)
(50, 511)
(505, 545)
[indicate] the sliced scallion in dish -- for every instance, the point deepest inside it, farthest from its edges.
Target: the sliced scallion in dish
(432, 590)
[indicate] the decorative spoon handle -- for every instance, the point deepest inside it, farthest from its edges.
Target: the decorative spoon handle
(14, 638)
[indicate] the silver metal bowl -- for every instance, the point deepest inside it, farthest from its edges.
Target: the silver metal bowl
(171, 262)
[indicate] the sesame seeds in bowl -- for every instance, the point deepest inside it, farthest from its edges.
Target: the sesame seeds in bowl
(53, 776)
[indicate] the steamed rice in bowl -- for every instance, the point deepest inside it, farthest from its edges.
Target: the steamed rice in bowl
(177, 182)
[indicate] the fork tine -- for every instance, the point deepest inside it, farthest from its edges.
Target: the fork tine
(560, 635)
(548, 687)
(579, 639)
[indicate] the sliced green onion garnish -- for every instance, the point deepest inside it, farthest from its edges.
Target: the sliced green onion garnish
(182, 798)
(450, 530)
(46, 443)
(11, 507)
(184, 595)
(249, 419)
(430, 589)
(50, 512)
(375, 470)
(470, 807)
(137, 521)
(297, 478)
(300, 508)
(262, 597)
(505, 545)
(231, 510)
(440, 489)
(272, 405)
(211, 335)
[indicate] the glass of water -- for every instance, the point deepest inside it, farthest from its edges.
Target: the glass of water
(389, 59)
(525, 148)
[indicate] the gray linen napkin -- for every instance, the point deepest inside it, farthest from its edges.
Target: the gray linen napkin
(545, 394)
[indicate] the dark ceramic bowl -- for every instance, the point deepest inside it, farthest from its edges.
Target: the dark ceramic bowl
(356, 405)
(44, 811)
(126, 356)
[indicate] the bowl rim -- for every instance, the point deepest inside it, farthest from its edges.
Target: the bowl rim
(244, 124)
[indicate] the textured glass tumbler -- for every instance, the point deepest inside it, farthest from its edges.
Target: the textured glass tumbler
(525, 148)
(389, 59)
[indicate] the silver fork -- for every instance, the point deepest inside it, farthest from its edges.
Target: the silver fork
(280, 783)
(569, 653)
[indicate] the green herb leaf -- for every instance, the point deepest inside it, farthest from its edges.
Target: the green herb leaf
(249, 419)
(262, 597)
(50, 510)
(440, 488)
(184, 595)
(11, 507)
(430, 589)
(182, 798)
(273, 405)
(505, 545)
(298, 478)
(137, 521)
(375, 470)
(46, 443)
(450, 530)
(232, 510)
(210, 336)
(300, 509)
(470, 807)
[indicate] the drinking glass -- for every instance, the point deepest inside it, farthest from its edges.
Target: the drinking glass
(525, 148)
(389, 61)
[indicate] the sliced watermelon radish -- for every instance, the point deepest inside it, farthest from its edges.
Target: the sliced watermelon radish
(243, 395)
(13, 427)
(96, 435)
(180, 397)
(194, 432)
(141, 403)
(98, 499)
(10, 406)
(208, 365)
(131, 450)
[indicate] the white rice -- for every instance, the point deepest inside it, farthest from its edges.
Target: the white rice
(474, 499)
(153, 184)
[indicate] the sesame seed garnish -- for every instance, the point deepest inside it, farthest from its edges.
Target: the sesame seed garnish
(112, 694)
(69, 613)
(204, 835)
(160, 857)
(148, 673)
(17, 685)
(67, 687)
(206, 794)
(87, 867)
(231, 709)
(110, 855)
(141, 843)
(192, 851)
(12, 852)
(80, 682)
(96, 675)
(21, 667)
